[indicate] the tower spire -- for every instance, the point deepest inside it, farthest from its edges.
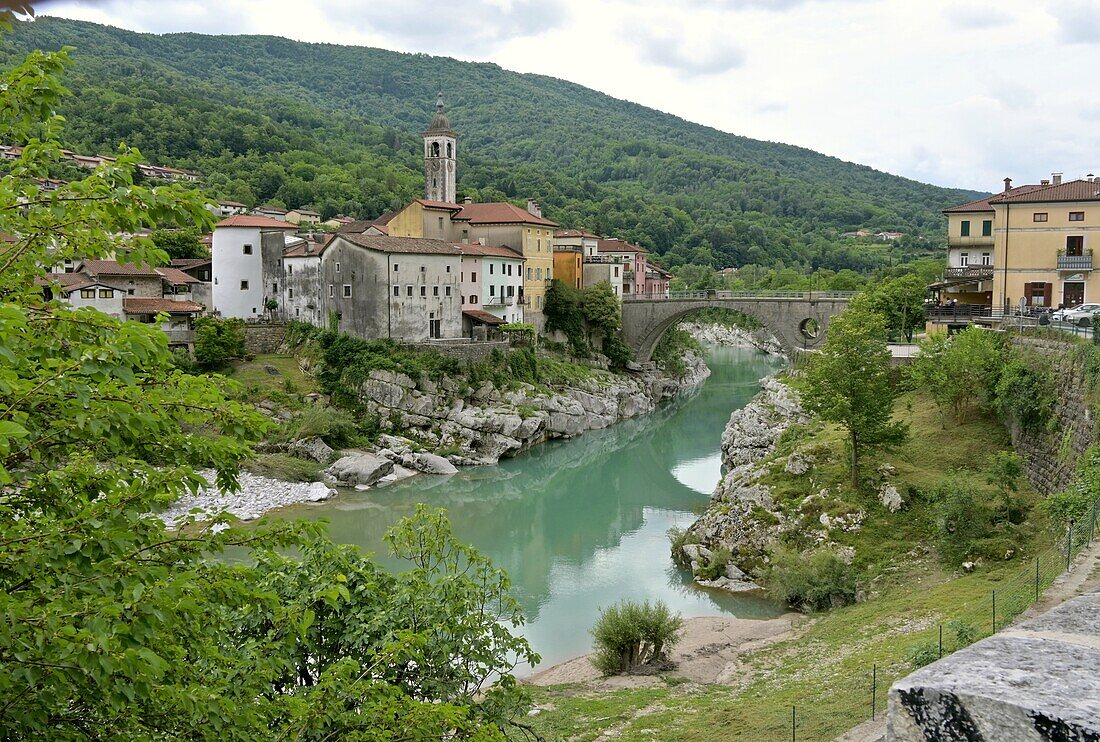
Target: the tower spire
(440, 153)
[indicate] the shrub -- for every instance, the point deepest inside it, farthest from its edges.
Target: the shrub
(218, 341)
(672, 348)
(336, 427)
(678, 538)
(616, 350)
(969, 523)
(716, 565)
(810, 582)
(924, 654)
(631, 635)
(1026, 391)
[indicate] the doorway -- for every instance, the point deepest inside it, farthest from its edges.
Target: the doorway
(1073, 293)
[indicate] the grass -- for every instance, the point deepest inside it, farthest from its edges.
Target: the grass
(259, 384)
(284, 467)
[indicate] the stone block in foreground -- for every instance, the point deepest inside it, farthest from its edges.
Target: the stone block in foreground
(1037, 681)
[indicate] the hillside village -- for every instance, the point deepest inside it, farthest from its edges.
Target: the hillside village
(432, 270)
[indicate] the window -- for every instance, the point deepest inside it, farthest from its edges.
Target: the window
(511, 291)
(964, 259)
(473, 276)
(424, 291)
(297, 311)
(492, 290)
(491, 269)
(473, 298)
(274, 287)
(244, 286)
(435, 290)
(1039, 216)
(528, 273)
(538, 244)
(331, 291)
(409, 291)
(616, 269)
(440, 224)
(538, 274)
(106, 294)
(130, 292)
(509, 269)
(395, 267)
(347, 291)
(337, 267)
(447, 291)
(397, 291)
(987, 258)
(248, 249)
(538, 302)
(290, 270)
(290, 293)
(448, 269)
(1077, 216)
(987, 228)
(87, 293)
(423, 268)
(1075, 245)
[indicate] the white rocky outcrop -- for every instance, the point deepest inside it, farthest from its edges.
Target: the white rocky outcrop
(735, 337)
(359, 469)
(256, 496)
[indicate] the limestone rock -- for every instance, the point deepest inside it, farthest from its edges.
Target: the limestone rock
(431, 464)
(319, 491)
(891, 499)
(311, 448)
(360, 469)
(798, 463)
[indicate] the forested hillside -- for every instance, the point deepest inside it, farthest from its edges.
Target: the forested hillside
(337, 128)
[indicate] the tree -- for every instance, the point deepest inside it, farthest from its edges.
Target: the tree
(601, 308)
(564, 314)
(848, 383)
(179, 243)
(900, 302)
(110, 623)
(960, 372)
(218, 341)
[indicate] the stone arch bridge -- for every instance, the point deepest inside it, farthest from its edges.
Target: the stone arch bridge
(798, 319)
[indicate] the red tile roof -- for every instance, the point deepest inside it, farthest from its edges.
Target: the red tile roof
(233, 204)
(618, 246)
(152, 306)
(494, 251)
(1074, 190)
(254, 221)
(177, 277)
(64, 280)
(437, 204)
(983, 204)
(499, 213)
(115, 268)
(485, 317)
(412, 245)
(574, 233)
(299, 250)
(185, 263)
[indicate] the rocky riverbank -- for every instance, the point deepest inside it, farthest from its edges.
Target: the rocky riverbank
(257, 496)
(743, 519)
(734, 337)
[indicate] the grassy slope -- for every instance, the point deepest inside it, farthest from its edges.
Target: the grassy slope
(825, 671)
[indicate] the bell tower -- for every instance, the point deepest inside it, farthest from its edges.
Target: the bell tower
(440, 144)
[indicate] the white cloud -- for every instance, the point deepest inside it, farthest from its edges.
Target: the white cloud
(688, 55)
(978, 17)
(1078, 20)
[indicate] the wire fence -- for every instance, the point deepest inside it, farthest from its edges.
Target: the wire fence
(831, 713)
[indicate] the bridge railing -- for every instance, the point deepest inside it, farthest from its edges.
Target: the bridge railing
(758, 294)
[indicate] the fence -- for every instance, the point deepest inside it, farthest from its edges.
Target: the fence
(1004, 601)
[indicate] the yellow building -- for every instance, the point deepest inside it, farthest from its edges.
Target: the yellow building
(569, 252)
(1032, 243)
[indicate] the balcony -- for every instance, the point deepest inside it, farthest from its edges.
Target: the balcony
(180, 337)
(972, 272)
(1075, 262)
(976, 240)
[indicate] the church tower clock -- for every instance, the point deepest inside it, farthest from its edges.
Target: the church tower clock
(439, 157)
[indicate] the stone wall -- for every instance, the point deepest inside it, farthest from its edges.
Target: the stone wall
(1037, 681)
(1050, 458)
(264, 338)
(468, 351)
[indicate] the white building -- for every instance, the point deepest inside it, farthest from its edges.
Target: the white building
(492, 282)
(246, 254)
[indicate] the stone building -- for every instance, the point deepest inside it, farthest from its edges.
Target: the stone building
(303, 296)
(246, 262)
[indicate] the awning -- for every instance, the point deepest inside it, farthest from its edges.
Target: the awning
(483, 317)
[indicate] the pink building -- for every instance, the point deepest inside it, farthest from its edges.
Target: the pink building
(634, 262)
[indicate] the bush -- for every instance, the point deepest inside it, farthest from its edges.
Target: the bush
(811, 581)
(924, 654)
(217, 342)
(969, 523)
(616, 350)
(629, 636)
(716, 565)
(673, 346)
(1025, 391)
(336, 427)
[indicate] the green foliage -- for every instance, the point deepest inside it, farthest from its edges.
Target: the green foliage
(338, 128)
(1026, 390)
(179, 243)
(924, 654)
(217, 342)
(849, 383)
(563, 314)
(602, 310)
(1003, 472)
(716, 564)
(616, 350)
(338, 428)
(812, 581)
(900, 302)
(960, 372)
(524, 365)
(629, 636)
(970, 524)
(1075, 504)
(671, 349)
(115, 626)
(678, 538)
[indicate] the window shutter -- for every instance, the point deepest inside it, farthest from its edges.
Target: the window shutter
(1028, 292)
(1048, 294)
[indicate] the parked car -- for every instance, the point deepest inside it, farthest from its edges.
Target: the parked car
(1074, 314)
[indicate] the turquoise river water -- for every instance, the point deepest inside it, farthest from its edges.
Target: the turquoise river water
(581, 524)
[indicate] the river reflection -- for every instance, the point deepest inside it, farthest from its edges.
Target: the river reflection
(581, 524)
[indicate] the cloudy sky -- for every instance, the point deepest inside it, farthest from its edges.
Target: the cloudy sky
(954, 92)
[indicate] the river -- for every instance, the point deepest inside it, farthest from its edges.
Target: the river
(581, 524)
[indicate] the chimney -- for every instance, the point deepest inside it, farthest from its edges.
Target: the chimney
(309, 247)
(468, 200)
(1008, 184)
(1044, 182)
(533, 207)
(1057, 178)
(1090, 177)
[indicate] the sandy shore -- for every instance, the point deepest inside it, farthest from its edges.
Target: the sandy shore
(710, 651)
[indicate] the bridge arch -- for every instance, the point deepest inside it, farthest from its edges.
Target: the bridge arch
(798, 321)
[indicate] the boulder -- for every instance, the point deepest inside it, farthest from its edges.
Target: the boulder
(798, 463)
(360, 469)
(429, 463)
(311, 448)
(319, 492)
(890, 498)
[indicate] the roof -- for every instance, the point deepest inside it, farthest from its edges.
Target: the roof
(983, 204)
(115, 268)
(499, 212)
(234, 204)
(185, 263)
(176, 277)
(305, 211)
(494, 251)
(272, 209)
(1074, 190)
(484, 317)
(254, 221)
(436, 205)
(299, 250)
(65, 280)
(574, 233)
(410, 245)
(618, 246)
(152, 306)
